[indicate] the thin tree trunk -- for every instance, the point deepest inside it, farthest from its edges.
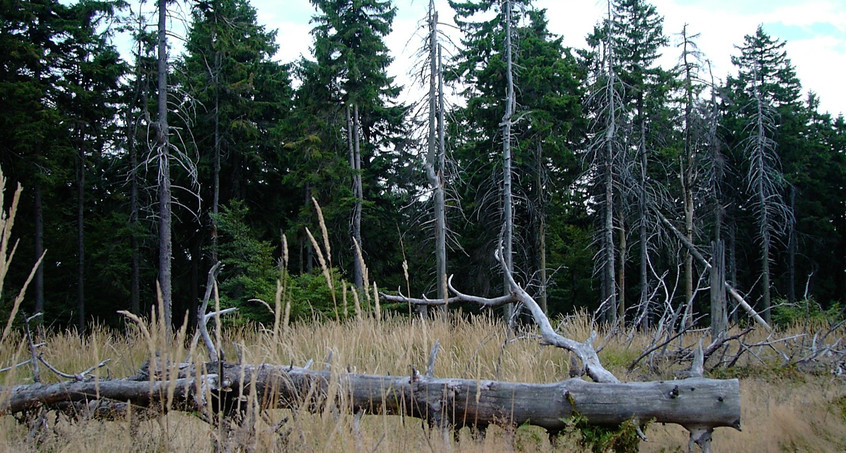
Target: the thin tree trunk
(355, 163)
(731, 265)
(541, 213)
(717, 160)
(163, 145)
(440, 203)
(791, 251)
(215, 77)
(508, 216)
(717, 294)
(80, 241)
(39, 248)
(135, 277)
(216, 176)
(305, 246)
(621, 267)
(141, 93)
(434, 165)
(687, 168)
(643, 300)
(765, 283)
(762, 202)
(610, 292)
(196, 261)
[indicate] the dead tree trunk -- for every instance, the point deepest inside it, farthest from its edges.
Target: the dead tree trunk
(163, 149)
(507, 203)
(696, 403)
(435, 158)
(354, 142)
(609, 293)
(701, 259)
(719, 311)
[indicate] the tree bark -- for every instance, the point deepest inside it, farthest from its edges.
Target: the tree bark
(135, 278)
(701, 259)
(791, 251)
(687, 171)
(623, 247)
(719, 310)
(215, 208)
(141, 95)
(440, 202)
(610, 290)
(643, 300)
(435, 158)
(541, 213)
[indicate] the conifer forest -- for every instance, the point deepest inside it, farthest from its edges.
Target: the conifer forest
(609, 183)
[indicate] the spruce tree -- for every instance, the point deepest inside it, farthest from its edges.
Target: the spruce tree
(762, 93)
(352, 61)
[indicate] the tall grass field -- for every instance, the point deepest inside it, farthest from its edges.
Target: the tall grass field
(783, 408)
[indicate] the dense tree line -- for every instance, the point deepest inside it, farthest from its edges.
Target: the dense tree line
(580, 152)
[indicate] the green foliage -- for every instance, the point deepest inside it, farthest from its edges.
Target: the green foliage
(249, 271)
(549, 86)
(600, 439)
(311, 297)
(250, 276)
(805, 311)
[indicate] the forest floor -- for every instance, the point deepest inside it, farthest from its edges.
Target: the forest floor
(783, 408)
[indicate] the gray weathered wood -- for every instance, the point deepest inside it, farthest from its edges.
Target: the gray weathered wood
(695, 403)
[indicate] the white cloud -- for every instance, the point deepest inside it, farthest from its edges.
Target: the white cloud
(820, 64)
(722, 24)
(294, 40)
(808, 13)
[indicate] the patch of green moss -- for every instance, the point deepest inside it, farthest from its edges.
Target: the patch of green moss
(600, 439)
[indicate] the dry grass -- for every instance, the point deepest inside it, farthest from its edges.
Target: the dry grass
(782, 410)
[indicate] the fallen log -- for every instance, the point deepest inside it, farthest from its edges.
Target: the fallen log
(698, 404)
(611, 403)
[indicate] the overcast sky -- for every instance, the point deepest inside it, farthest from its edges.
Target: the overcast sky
(815, 31)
